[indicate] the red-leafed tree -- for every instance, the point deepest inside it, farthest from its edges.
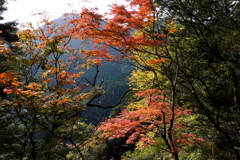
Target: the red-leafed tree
(135, 30)
(46, 92)
(156, 116)
(118, 32)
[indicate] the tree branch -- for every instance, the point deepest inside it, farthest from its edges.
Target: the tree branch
(89, 104)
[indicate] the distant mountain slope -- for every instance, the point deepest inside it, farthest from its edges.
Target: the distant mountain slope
(115, 84)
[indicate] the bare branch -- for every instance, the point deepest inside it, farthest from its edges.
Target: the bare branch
(89, 104)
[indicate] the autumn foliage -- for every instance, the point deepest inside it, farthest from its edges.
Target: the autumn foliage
(117, 32)
(157, 116)
(133, 31)
(44, 90)
(46, 93)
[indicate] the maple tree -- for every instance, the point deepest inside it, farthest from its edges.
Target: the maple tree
(45, 92)
(135, 32)
(200, 70)
(156, 118)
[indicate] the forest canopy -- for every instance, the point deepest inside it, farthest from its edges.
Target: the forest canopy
(179, 58)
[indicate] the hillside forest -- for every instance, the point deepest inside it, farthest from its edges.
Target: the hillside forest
(149, 80)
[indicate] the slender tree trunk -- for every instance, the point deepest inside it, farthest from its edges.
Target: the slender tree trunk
(175, 155)
(33, 153)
